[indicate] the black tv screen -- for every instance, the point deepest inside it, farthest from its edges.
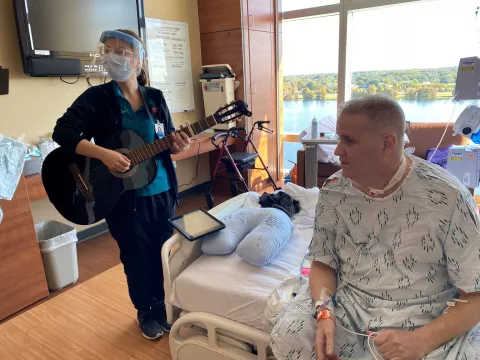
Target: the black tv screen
(59, 37)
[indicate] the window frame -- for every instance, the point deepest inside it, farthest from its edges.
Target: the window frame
(345, 9)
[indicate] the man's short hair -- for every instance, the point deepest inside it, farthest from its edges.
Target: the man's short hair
(380, 110)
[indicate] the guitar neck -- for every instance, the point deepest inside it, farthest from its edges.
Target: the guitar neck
(148, 151)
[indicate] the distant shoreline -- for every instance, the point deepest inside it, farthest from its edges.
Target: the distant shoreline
(439, 96)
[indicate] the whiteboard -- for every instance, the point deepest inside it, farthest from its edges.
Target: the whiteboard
(169, 62)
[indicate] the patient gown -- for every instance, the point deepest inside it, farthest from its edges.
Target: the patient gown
(410, 253)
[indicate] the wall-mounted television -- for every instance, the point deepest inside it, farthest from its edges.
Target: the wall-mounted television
(59, 37)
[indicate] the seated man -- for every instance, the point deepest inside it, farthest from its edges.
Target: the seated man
(397, 242)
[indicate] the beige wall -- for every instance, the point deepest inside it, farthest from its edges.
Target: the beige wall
(34, 104)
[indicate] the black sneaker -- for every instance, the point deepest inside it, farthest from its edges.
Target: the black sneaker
(160, 314)
(151, 329)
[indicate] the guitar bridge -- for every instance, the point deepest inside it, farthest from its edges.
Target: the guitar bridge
(81, 185)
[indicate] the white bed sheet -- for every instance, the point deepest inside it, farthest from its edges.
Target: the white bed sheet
(230, 287)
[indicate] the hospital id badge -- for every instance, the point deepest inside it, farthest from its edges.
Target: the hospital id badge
(160, 130)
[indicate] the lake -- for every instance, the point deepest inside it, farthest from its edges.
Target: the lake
(297, 115)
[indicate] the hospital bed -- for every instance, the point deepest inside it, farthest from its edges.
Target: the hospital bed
(216, 303)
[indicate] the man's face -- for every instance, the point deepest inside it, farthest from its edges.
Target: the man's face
(360, 147)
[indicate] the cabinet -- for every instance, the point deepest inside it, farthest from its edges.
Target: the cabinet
(241, 33)
(22, 278)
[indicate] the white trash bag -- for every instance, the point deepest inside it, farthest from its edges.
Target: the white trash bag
(325, 153)
(58, 246)
(53, 234)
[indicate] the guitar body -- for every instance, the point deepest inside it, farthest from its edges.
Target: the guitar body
(84, 191)
(103, 187)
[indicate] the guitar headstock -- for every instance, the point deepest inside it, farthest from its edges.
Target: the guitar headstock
(232, 111)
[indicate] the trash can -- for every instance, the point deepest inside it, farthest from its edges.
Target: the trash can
(58, 246)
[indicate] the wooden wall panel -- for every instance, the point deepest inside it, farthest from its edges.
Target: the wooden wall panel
(250, 50)
(219, 15)
(22, 278)
(225, 47)
(261, 15)
(263, 105)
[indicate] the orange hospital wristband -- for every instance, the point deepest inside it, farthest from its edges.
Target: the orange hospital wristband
(325, 314)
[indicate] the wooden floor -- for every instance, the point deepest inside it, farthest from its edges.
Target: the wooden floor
(101, 253)
(91, 319)
(94, 320)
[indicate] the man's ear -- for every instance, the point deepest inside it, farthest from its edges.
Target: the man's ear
(389, 142)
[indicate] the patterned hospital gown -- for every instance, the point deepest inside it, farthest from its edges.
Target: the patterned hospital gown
(417, 247)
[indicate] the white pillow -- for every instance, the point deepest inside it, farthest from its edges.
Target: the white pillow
(270, 231)
(258, 234)
(225, 241)
(307, 198)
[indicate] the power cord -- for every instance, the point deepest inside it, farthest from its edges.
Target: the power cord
(446, 127)
(198, 162)
(70, 83)
(90, 84)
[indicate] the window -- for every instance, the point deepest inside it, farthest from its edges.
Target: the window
(310, 72)
(289, 5)
(416, 61)
(337, 49)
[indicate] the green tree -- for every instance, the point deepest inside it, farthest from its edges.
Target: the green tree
(287, 95)
(324, 93)
(411, 93)
(448, 78)
(301, 84)
(392, 93)
(321, 94)
(308, 94)
(427, 92)
(358, 92)
(311, 85)
(381, 88)
(372, 89)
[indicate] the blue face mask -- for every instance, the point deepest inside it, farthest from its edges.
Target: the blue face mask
(117, 67)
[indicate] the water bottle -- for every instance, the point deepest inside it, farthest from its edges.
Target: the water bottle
(314, 127)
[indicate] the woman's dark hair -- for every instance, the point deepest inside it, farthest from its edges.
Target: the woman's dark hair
(143, 78)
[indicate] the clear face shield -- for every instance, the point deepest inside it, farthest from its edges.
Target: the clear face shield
(119, 55)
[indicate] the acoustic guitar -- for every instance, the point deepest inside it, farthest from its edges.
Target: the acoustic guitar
(84, 190)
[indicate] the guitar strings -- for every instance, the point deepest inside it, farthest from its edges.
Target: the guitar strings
(102, 172)
(99, 172)
(103, 168)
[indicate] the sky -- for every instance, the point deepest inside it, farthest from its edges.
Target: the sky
(429, 34)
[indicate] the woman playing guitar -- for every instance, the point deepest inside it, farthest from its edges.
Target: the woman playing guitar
(139, 219)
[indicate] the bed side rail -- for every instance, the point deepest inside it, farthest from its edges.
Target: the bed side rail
(178, 253)
(215, 325)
